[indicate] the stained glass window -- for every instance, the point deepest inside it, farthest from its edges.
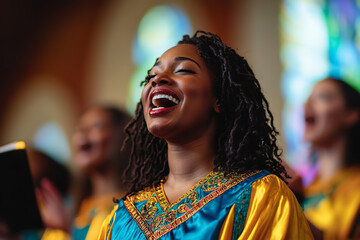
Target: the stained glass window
(319, 38)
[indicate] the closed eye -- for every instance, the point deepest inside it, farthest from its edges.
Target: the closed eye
(150, 77)
(98, 125)
(185, 70)
(325, 97)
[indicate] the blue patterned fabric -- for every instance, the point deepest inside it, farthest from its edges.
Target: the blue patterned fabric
(198, 214)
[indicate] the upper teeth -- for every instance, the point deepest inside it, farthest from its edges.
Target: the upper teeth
(171, 98)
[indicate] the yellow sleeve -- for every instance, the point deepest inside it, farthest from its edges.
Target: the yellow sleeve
(106, 228)
(274, 212)
(55, 234)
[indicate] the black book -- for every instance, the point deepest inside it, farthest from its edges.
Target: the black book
(18, 205)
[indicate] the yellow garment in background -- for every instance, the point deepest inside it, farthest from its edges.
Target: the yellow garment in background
(89, 220)
(273, 213)
(334, 205)
(92, 213)
(55, 234)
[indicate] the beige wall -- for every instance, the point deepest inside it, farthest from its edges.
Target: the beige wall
(45, 101)
(256, 36)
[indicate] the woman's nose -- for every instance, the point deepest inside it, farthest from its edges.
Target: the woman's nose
(160, 79)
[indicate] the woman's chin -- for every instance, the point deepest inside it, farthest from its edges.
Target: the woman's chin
(310, 139)
(159, 130)
(318, 141)
(311, 136)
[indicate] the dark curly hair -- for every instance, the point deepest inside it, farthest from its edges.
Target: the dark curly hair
(245, 135)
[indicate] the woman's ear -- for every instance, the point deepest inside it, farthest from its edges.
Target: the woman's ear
(217, 106)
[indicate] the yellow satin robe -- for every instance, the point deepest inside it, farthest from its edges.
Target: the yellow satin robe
(273, 213)
(334, 206)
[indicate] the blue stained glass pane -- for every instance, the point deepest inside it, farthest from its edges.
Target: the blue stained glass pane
(161, 28)
(51, 139)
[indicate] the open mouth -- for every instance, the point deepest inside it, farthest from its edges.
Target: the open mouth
(160, 101)
(86, 147)
(310, 120)
(163, 99)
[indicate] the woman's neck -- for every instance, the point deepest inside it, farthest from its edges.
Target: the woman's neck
(188, 163)
(192, 156)
(331, 158)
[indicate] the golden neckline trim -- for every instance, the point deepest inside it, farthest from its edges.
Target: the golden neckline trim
(163, 200)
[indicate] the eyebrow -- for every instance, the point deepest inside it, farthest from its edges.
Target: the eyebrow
(179, 59)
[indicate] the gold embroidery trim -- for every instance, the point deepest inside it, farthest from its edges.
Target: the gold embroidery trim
(147, 231)
(164, 202)
(138, 218)
(197, 206)
(142, 195)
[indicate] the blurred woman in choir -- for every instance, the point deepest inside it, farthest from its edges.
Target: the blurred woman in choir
(97, 146)
(332, 126)
(98, 157)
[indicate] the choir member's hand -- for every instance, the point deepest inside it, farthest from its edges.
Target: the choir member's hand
(53, 210)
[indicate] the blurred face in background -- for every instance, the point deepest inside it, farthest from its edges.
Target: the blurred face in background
(326, 115)
(93, 141)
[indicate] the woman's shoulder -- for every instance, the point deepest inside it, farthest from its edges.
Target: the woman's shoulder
(264, 186)
(270, 182)
(267, 208)
(271, 188)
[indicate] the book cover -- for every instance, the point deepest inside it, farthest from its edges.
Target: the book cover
(18, 205)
